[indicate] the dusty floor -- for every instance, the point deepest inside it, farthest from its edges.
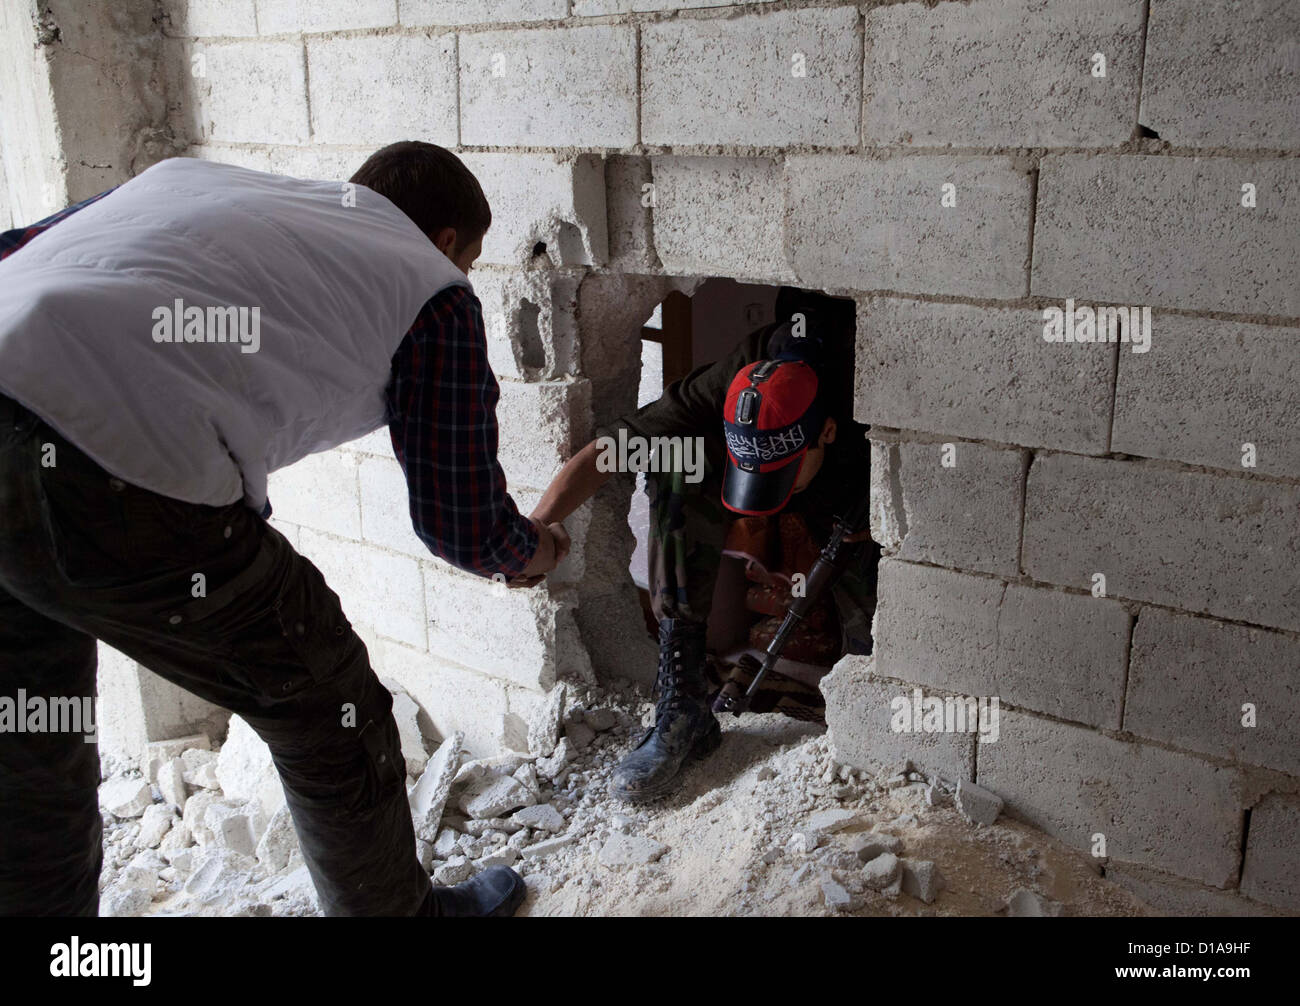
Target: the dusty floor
(723, 846)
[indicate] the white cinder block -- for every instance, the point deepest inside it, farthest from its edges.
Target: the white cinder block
(382, 89)
(454, 697)
(884, 225)
(275, 16)
(244, 92)
(386, 507)
(541, 425)
(320, 163)
(1201, 542)
(529, 637)
(467, 12)
(230, 18)
(378, 589)
(719, 215)
(1005, 73)
(1223, 74)
(982, 373)
(568, 87)
(319, 492)
(542, 198)
(767, 80)
(1205, 389)
(529, 319)
(1170, 232)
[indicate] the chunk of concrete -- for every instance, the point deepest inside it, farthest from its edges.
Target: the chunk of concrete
(453, 871)
(921, 879)
(836, 896)
(545, 722)
(881, 871)
(977, 804)
(157, 752)
(230, 829)
(155, 822)
(171, 783)
(549, 846)
(278, 842)
(125, 797)
(245, 768)
(429, 797)
(1024, 904)
(542, 816)
(407, 713)
(622, 850)
(445, 844)
(830, 821)
(219, 873)
(495, 796)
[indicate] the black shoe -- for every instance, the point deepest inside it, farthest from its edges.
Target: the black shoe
(685, 728)
(497, 892)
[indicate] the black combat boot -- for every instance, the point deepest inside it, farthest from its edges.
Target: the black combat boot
(496, 892)
(685, 727)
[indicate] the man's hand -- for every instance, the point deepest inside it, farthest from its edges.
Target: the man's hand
(552, 546)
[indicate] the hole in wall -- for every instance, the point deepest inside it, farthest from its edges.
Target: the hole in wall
(1147, 132)
(684, 334)
(538, 249)
(532, 351)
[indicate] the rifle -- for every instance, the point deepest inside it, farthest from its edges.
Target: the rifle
(830, 564)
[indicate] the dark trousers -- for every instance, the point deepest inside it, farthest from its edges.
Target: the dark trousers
(218, 602)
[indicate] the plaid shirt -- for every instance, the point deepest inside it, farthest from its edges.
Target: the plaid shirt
(441, 402)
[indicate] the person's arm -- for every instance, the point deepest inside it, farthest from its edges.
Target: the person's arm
(442, 419)
(12, 241)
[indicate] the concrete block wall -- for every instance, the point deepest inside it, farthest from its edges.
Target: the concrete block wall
(956, 168)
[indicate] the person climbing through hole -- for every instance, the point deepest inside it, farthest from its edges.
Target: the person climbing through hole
(782, 459)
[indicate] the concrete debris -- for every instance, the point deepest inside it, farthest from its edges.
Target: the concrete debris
(194, 759)
(527, 776)
(429, 797)
(205, 777)
(407, 712)
(494, 796)
(125, 797)
(579, 734)
(802, 843)
(555, 763)
(1024, 904)
(622, 850)
(977, 804)
(765, 773)
(543, 817)
(218, 874)
(157, 752)
(176, 840)
(505, 856)
(478, 768)
(155, 822)
(921, 879)
(445, 844)
(835, 896)
(600, 720)
(827, 822)
(196, 807)
(171, 783)
(230, 828)
(881, 871)
(424, 853)
(549, 846)
(804, 873)
(278, 843)
(870, 844)
(119, 902)
(452, 872)
(544, 724)
(509, 825)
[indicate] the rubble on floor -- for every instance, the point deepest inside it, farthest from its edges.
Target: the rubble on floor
(768, 825)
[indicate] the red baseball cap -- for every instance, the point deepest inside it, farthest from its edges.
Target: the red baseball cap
(770, 420)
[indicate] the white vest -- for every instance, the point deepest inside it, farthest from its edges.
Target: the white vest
(83, 308)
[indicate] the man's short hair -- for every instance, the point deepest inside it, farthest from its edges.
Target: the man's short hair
(432, 186)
